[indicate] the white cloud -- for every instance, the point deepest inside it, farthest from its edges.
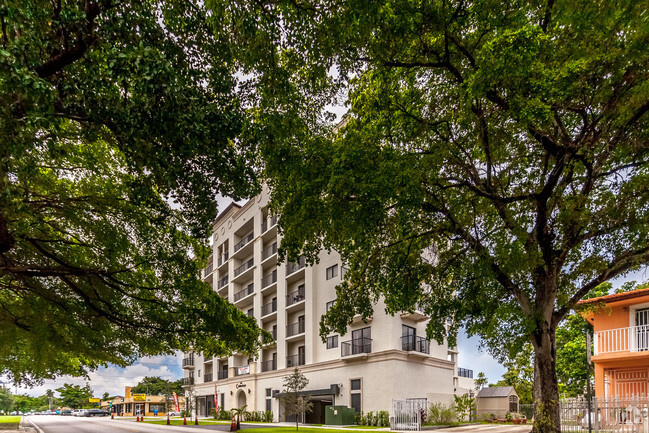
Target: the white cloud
(114, 379)
(472, 357)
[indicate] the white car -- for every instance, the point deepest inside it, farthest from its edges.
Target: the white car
(173, 413)
(78, 412)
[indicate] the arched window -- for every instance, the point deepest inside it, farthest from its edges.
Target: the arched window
(513, 403)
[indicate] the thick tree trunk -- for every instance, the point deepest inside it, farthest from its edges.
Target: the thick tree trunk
(546, 385)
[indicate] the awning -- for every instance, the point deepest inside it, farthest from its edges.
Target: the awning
(332, 390)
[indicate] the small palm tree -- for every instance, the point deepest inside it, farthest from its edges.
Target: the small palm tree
(238, 412)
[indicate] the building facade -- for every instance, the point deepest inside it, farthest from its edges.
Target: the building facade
(621, 343)
(140, 404)
(378, 360)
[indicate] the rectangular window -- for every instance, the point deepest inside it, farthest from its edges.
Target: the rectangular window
(356, 402)
(332, 342)
(343, 271)
(268, 392)
(222, 400)
(355, 384)
(332, 271)
(251, 312)
(330, 304)
(268, 404)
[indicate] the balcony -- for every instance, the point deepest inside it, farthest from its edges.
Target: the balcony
(269, 280)
(245, 292)
(269, 251)
(244, 272)
(245, 240)
(268, 223)
(417, 315)
(188, 381)
(292, 268)
(222, 283)
(269, 308)
(294, 329)
(223, 374)
(465, 372)
(269, 365)
(295, 360)
(223, 258)
(295, 297)
(208, 270)
(188, 363)
(208, 377)
(630, 339)
(358, 346)
(412, 343)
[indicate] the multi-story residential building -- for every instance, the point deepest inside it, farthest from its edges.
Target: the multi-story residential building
(384, 358)
(621, 343)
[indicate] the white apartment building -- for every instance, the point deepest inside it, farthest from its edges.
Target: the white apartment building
(387, 357)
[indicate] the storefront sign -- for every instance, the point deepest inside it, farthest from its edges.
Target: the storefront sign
(139, 397)
(241, 385)
(93, 400)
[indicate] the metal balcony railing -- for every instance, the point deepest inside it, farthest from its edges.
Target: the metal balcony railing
(188, 362)
(269, 251)
(269, 279)
(247, 238)
(269, 365)
(295, 328)
(244, 267)
(356, 346)
(294, 267)
(415, 344)
(271, 307)
(222, 282)
(187, 381)
(295, 297)
(208, 270)
(295, 360)
(245, 292)
(224, 258)
(223, 374)
(629, 339)
(268, 223)
(208, 377)
(465, 372)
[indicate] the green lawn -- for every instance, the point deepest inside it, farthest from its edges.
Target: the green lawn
(9, 422)
(292, 430)
(364, 426)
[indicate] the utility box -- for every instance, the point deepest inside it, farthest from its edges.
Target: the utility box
(339, 415)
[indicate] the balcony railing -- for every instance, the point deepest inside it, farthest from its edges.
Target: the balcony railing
(356, 346)
(294, 267)
(188, 362)
(222, 282)
(269, 365)
(415, 344)
(224, 258)
(247, 238)
(295, 360)
(270, 222)
(465, 372)
(269, 279)
(295, 297)
(630, 339)
(245, 292)
(295, 329)
(223, 374)
(243, 268)
(208, 270)
(187, 381)
(271, 307)
(208, 377)
(269, 251)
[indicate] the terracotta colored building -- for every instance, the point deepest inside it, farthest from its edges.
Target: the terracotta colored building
(621, 343)
(133, 404)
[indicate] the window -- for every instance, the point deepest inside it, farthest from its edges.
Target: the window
(332, 271)
(251, 312)
(268, 398)
(199, 372)
(268, 392)
(343, 271)
(330, 304)
(332, 342)
(362, 341)
(355, 394)
(223, 400)
(355, 385)
(268, 404)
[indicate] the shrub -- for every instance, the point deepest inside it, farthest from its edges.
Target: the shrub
(384, 418)
(268, 416)
(441, 413)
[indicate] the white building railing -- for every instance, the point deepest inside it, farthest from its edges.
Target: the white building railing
(629, 339)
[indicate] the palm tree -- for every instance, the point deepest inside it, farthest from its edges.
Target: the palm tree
(238, 412)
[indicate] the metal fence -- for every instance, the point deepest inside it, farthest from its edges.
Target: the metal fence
(408, 413)
(623, 415)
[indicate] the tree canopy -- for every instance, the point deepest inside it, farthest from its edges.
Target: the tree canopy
(496, 152)
(117, 121)
(74, 396)
(157, 386)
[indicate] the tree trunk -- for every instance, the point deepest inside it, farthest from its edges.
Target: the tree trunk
(546, 385)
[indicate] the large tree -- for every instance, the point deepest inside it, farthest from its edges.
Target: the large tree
(74, 396)
(155, 385)
(117, 121)
(496, 152)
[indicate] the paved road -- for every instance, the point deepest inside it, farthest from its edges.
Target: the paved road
(68, 424)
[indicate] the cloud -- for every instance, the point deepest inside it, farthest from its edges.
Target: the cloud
(113, 379)
(472, 357)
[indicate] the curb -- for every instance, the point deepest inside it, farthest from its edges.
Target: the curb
(33, 425)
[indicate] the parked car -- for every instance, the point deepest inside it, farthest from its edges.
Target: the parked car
(173, 413)
(78, 412)
(66, 412)
(95, 412)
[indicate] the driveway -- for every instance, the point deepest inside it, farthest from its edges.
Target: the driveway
(486, 428)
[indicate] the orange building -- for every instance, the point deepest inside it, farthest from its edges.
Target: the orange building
(621, 343)
(140, 404)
